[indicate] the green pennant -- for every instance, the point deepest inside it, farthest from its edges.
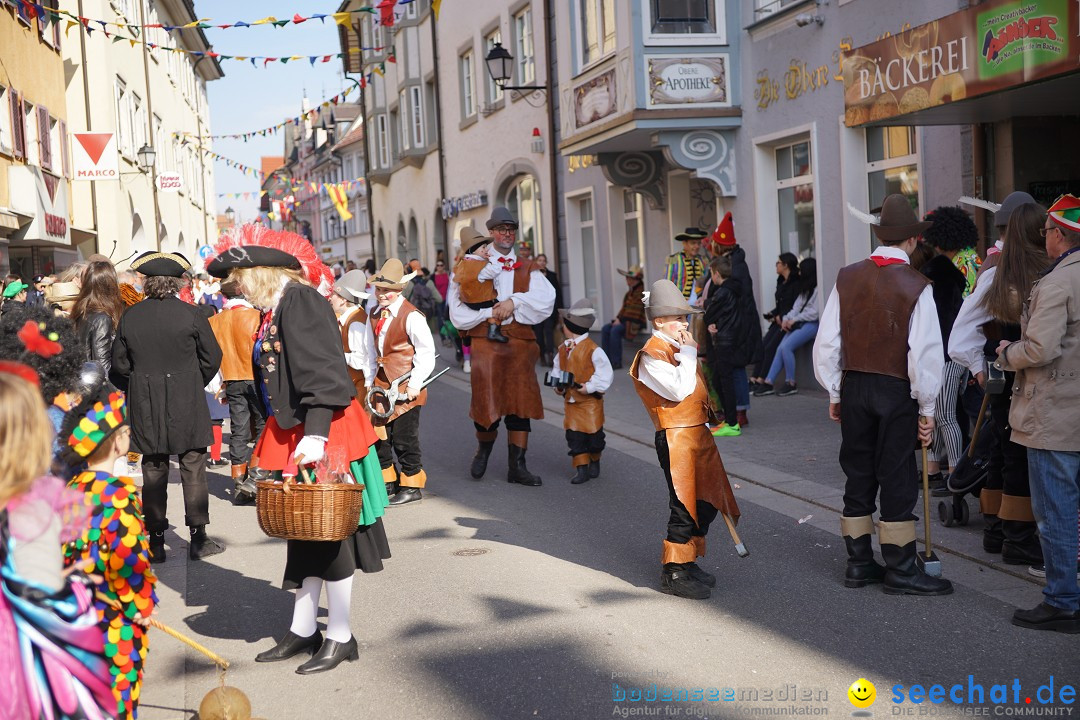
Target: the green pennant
(284, 60)
(281, 23)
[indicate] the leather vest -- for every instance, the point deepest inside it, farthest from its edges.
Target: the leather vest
(235, 331)
(584, 411)
(396, 357)
(513, 329)
(990, 261)
(359, 315)
(471, 289)
(695, 409)
(875, 316)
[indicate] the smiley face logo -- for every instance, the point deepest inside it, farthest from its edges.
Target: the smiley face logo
(862, 693)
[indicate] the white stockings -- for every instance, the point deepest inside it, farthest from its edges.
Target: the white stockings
(338, 604)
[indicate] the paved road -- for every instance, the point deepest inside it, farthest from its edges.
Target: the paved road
(509, 602)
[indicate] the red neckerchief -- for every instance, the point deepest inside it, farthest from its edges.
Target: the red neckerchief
(883, 261)
(384, 317)
(509, 264)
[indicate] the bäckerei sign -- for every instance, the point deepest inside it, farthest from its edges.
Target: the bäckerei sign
(676, 81)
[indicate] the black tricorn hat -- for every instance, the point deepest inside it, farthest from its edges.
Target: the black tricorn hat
(692, 233)
(161, 264)
(249, 256)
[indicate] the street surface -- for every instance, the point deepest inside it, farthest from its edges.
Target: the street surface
(503, 601)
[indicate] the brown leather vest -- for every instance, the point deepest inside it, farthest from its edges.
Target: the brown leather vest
(357, 376)
(513, 329)
(235, 330)
(584, 412)
(875, 315)
(396, 358)
(693, 410)
(471, 289)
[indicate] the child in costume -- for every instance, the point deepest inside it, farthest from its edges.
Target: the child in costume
(115, 545)
(723, 322)
(51, 651)
(667, 379)
(476, 276)
(583, 400)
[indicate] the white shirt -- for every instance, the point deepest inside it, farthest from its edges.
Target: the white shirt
(236, 302)
(360, 355)
(416, 328)
(925, 358)
(671, 382)
(603, 374)
(967, 338)
(530, 308)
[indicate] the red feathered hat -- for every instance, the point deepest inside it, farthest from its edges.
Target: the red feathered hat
(255, 245)
(724, 234)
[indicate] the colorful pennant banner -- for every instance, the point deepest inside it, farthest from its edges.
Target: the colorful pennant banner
(265, 132)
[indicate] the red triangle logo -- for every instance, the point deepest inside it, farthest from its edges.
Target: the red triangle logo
(94, 144)
(51, 181)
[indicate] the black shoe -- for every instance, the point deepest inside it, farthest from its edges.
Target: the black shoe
(1021, 545)
(244, 492)
(1013, 554)
(581, 475)
(291, 644)
(480, 460)
(705, 578)
(594, 468)
(517, 472)
(202, 546)
(764, 389)
(330, 655)
(405, 495)
(903, 576)
(1048, 617)
(788, 389)
(157, 548)
(679, 582)
(495, 334)
(217, 463)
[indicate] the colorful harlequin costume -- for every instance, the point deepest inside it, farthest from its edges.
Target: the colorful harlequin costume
(682, 269)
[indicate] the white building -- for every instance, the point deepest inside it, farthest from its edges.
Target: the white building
(109, 91)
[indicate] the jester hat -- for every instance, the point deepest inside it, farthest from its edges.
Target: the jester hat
(89, 425)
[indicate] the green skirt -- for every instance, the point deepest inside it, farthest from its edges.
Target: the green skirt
(367, 471)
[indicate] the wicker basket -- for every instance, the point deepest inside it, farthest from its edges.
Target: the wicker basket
(323, 512)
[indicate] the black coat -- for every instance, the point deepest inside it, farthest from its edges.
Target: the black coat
(163, 355)
(301, 364)
(554, 280)
(948, 288)
(787, 292)
(722, 309)
(96, 332)
(751, 328)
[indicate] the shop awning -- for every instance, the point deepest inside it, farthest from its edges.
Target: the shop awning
(990, 62)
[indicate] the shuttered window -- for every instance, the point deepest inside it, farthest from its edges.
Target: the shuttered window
(44, 137)
(65, 152)
(18, 126)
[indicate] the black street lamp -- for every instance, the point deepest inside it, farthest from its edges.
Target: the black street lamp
(147, 155)
(500, 66)
(230, 215)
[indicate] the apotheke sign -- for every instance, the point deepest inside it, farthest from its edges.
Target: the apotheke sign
(699, 80)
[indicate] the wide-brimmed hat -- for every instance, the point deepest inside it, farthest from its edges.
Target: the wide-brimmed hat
(250, 256)
(691, 233)
(898, 220)
(161, 264)
(471, 240)
(14, 288)
(89, 425)
(1066, 212)
(392, 276)
(500, 216)
(1012, 201)
(579, 316)
(352, 286)
(631, 272)
(665, 300)
(61, 292)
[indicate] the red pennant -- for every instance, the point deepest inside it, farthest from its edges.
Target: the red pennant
(386, 12)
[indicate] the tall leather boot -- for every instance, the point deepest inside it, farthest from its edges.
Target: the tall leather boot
(390, 479)
(1021, 544)
(594, 465)
(486, 442)
(517, 472)
(902, 574)
(157, 547)
(239, 475)
(202, 546)
(989, 504)
(862, 569)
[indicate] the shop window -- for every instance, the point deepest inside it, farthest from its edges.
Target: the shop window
(892, 166)
(596, 30)
(795, 199)
(523, 200)
(523, 38)
(468, 92)
(632, 222)
(684, 22)
(494, 92)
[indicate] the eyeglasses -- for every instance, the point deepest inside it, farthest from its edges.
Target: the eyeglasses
(505, 229)
(1044, 230)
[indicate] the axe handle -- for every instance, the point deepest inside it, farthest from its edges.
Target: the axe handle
(926, 499)
(731, 528)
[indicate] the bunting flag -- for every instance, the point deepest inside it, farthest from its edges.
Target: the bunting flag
(435, 7)
(296, 184)
(340, 197)
(273, 129)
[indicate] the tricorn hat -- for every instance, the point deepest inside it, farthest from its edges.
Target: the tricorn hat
(665, 300)
(352, 286)
(471, 240)
(392, 276)
(691, 233)
(250, 256)
(161, 264)
(500, 216)
(898, 220)
(632, 272)
(579, 316)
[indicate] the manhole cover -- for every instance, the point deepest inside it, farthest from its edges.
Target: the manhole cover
(470, 552)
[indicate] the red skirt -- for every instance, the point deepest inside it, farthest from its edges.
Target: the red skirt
(351, 436)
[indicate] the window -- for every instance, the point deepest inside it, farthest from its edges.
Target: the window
(688, 22)
(65, 152)
(795, 195)
(50, 29)
(382, 140)
(596, 30)
(764, 8)
(31, 127)
(892, 166)
(468, 95)
(523, 200)
(6, 99)
(51, 146)
(138, 122)
(18, 125)
(417, 109)
(588, 246)
(410, 10)
(632, 222)
(123, 122)
(403, 113)
(494, 92)
(523, 39)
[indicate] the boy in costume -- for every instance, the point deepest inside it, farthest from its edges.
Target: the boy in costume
(347, 299)
(477, 278)
(669, 383)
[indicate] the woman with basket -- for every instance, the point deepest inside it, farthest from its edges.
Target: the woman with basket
(313, 419)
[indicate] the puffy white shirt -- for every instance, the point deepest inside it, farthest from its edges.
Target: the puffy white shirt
(603, 374)
(419, 333)
(360, 355)
(925, 359)
(530, 308)
(967, 338)
(671, 382)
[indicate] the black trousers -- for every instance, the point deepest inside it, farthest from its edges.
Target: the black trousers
(244, 406)
(1008, 466)
(513, 422)
(155, 489)
(544, 332)
(723, 377)
(879, 425)
(769, 345)
(403, 440)
(681, 526)
(585, 443)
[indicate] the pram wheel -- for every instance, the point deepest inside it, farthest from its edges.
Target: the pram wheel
(956, 515)
(945, 515)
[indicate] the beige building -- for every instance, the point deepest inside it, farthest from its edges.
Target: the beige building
(109, 91)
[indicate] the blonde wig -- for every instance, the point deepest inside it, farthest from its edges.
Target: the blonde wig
(25, 437)
(262, 285)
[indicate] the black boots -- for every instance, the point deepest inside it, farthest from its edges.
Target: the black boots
(495, 334)
(678, 579)
(992, 535)
(244, 490)
(1020, 545)
(202, 546)
(291, 644)
(902, 574)
(483, 452)
(330, 655)
(862, 569)
(594, 467)
(157, 548)
(705, 578)
(405, 495)
(517, 472)
(581, 475)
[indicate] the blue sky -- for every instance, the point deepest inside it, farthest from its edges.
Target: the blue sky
(251, 99)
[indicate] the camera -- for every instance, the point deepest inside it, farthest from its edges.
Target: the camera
(559, 380)
(995, 379)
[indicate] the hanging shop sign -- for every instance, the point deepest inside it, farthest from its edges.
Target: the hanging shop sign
(699, 80)
(595, 99)
(170, 182)
(987, 48)
(451, 207)
(94, 157)
(43, 198)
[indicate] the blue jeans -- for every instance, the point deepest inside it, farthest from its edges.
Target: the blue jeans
(785, 354)
(742, 388)
(1055, 498)
(611, 339)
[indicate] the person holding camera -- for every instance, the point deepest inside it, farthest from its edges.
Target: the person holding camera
(581, 373)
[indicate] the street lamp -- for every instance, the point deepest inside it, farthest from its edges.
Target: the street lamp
(230, 215)
(500, 66)
(147, 155)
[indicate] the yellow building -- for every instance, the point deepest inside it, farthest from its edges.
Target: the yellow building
(35, 162)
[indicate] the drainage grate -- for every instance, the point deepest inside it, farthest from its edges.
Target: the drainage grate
(470, 552)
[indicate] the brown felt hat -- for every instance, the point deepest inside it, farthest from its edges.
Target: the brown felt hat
(392, 276)
(898, 220)
(665, 300)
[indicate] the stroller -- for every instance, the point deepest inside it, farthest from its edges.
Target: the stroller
(969, 475)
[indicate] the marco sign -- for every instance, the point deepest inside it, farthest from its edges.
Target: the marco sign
(94, 156)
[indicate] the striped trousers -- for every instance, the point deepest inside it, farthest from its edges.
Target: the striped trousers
(948, 438)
